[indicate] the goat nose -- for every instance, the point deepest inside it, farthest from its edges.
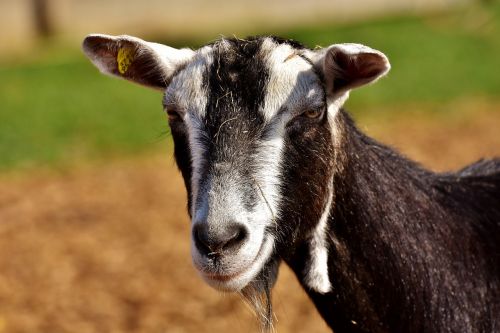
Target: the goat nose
(209, 241)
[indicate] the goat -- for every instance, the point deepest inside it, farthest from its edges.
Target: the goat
(276, 170)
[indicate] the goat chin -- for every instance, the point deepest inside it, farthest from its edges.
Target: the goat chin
(257, 294)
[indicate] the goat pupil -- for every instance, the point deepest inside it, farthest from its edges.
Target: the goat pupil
(312, 113)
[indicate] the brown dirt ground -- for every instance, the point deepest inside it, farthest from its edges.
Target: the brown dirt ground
(104, 247)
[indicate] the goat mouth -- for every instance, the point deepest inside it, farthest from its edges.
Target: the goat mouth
(223, 277)
(245, 275)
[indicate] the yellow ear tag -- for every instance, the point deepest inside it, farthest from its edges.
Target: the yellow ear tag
(124, 59)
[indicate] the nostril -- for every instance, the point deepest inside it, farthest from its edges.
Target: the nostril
(238, 235)
(201, 239)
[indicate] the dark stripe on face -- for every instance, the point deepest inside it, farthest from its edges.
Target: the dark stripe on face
(291, 42)
(236, 82)
(237, 78)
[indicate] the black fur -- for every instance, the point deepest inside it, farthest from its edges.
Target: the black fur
(410, 250)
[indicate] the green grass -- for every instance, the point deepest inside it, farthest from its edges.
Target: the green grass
(66, 110)
(59, 108)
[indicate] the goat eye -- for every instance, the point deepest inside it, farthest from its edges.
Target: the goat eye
(313, 113)
(173, 115)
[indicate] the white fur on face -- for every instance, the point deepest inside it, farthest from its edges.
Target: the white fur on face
(220, 202)
(186, 90)
(292, 87)
(190, 98)
(292, 81)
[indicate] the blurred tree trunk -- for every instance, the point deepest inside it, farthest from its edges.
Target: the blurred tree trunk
(41, 15)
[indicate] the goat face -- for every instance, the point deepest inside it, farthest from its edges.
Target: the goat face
(253, 122)
(254, 115)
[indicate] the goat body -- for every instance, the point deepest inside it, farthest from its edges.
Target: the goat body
(410, 250)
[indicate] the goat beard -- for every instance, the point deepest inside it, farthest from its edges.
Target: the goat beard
(257, 294)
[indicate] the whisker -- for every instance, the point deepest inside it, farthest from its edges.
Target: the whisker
(267, 204)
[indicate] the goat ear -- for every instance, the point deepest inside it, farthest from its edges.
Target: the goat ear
(134, 59)
(348, 66)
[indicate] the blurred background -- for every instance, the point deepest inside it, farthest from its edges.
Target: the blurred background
(94, 235)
